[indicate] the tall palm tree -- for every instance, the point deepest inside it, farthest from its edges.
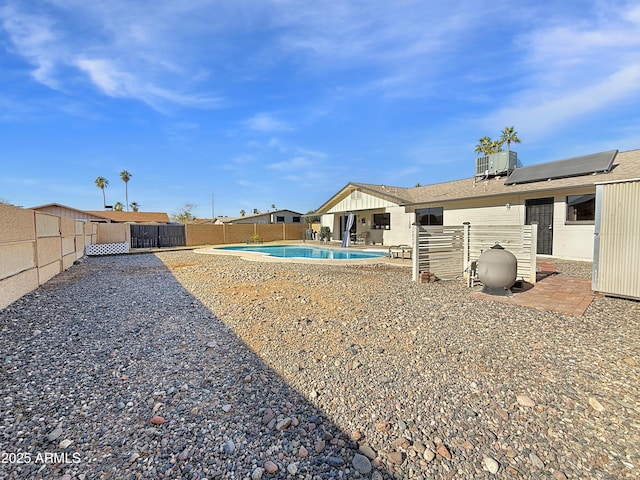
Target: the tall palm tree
(485, 145)
(102, 183)
(126, 176)
(509, 135)
(134, 206)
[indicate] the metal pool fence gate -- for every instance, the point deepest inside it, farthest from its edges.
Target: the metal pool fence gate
(157, 236)
(447, 250)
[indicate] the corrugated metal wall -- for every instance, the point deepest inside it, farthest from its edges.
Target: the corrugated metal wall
(616, 258)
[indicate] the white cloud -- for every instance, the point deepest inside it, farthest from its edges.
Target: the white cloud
(106, 77)
(263, 122)
(112, 81)
(33, 37)
(540, 113)
(295, 163)
(571, 70)
(129, 53)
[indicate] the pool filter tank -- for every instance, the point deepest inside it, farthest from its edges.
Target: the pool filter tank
(497, 270)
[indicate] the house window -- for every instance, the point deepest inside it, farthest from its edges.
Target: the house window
(295, 219)
(581, 209)
(382, 220)
(280, 219)
(430, 216)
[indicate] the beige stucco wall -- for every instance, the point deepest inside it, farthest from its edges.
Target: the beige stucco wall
(67, 226)
(17, 224)
(47, 225)
(34, 247)
(18, 285)
(47, 272)
(49, 250)
(16, 257)
(113, 233)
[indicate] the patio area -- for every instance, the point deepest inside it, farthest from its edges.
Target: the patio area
(553, 291)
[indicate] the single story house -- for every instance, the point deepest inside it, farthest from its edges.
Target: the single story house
(276, 216)
(104, 216)
(559, 196)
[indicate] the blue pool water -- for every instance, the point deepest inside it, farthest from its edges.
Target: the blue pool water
(300, 251)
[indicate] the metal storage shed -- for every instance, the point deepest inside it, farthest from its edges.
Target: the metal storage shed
(616, 253)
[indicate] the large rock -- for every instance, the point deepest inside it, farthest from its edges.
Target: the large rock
(361, 464)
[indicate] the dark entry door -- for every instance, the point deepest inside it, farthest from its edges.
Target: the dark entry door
(540, 210)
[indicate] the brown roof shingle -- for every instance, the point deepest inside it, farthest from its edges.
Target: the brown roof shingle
(137, 217)
(626, 165)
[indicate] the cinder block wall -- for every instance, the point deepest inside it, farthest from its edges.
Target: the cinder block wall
(217, 234)
(34, 247)
(204, 234)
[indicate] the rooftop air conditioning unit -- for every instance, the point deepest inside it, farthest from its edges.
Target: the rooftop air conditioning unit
(496, 164)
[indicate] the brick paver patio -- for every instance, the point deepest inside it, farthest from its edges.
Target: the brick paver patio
(555, 292)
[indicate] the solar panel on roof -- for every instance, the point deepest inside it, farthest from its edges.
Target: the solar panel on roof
(572, 167)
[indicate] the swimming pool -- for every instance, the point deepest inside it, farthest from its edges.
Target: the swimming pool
(304, 251)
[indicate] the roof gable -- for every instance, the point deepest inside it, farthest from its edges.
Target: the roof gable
(388, 195)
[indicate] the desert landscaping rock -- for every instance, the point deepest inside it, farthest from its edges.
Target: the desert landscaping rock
(270, 467)
(361, 463)
(279, 370)
(491, 465)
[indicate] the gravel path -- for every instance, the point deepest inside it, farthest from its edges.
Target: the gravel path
(182, 365)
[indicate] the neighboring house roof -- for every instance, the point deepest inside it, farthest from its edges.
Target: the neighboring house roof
(65, 211)
(257, 215)
(202, 221)
(626, 165)
(103, 215)
(137, 217)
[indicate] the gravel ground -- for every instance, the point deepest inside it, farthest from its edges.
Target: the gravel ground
(188, 366)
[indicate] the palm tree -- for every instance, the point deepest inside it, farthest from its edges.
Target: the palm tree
(134, 206)
(126, 176)
(102, 183)
(485, 145)
(117, 207)
(242, 213)
(509, 135)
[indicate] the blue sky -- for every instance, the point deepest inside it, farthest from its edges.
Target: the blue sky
(285, 101)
